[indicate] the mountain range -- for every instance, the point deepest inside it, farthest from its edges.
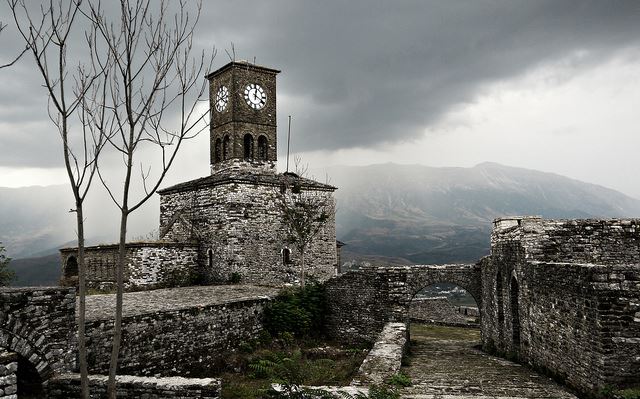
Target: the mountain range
(387, 213)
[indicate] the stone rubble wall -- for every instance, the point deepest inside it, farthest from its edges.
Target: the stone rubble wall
(39, 324)
(577, 321)
(149, 265)
(385, 358)
(8, 376)
(184, 342)
(358, 306)
(68, 386)
(240, 225)
(436, 310)
(471, 311)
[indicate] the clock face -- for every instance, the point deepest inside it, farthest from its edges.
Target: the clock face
(255, 96)
(222, 98)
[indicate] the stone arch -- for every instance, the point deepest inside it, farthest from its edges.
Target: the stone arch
(15, 342)
(248, 146)
(71, 267)
(466, 277)
(286, 256)
(263, 146)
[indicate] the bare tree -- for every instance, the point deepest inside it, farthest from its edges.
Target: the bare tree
(304, 212)
(2, 27)
(153, 92)
(75, 95)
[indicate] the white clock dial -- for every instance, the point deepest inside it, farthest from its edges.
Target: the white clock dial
(222, 98)
(255, 96)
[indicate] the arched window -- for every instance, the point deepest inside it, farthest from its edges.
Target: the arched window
(217, 152)
(71, 267)
(248, 146)
(515, 313)
(286, 256)
(210, 259)
(226, 151)
(262, 148)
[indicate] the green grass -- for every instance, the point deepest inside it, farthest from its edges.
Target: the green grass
(428, 331)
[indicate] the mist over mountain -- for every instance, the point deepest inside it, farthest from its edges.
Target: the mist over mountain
(421, 214)
(387, 213)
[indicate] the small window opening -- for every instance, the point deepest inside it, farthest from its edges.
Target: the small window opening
(286, 256)
(226, 151)
(248, 146)
(262, 148)
(217, 153)
(210, 259)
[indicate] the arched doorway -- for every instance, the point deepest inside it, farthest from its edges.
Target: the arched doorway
(29, 380)
(515, 312)
(71, 267)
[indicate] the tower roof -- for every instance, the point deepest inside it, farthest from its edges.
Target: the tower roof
(242, 64)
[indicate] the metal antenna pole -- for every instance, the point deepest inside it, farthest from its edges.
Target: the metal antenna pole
(288, 142)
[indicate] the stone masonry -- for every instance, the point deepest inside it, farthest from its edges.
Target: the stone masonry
(8, 376)
(149, 265)
(564, 295)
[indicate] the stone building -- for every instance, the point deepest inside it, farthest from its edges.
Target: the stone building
(229, 225)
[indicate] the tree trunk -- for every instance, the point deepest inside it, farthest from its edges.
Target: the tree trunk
(82, 288)
(302, 267)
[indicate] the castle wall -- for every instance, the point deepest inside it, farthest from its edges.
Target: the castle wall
(39, 324)
(241, 224)
(186, 340)
(578, 321)
(149, 265)
(8, 374)
(68, 386)
(436, 310)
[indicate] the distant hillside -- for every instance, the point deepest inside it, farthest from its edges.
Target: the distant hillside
(400, 214)
(435, 215)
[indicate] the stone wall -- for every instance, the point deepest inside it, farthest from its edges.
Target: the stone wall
(149, 265)
(358, 306)
(385, 358)
(8, 374)
(184, 341)
(436, 310)
(240, 228)
(578, 321)
(68, 386)
(39, 325)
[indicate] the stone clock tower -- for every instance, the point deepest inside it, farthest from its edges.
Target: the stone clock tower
(243, 117)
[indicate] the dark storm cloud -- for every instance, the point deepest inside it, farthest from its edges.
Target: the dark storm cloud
(364, 73)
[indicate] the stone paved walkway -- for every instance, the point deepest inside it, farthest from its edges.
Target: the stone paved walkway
(101, 307)
(445, 365)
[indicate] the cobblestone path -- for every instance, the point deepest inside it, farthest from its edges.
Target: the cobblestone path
(445, 365)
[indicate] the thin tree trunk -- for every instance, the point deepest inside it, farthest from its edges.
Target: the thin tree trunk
(302, 267)
(82, 288)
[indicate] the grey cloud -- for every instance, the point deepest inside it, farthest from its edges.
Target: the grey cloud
(366, 73)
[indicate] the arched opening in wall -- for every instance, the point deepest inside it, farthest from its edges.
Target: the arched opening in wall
(286, 256)
(515, 312)
(262, 148)
(210, 259)
(248, 146)
(500, 303)
(226, 150)
(29, 381)
(445, 304)
(71, 267)
(217, 151)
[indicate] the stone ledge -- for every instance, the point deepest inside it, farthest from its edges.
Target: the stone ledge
(384, 359)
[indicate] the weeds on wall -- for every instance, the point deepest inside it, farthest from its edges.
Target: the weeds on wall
(297, 311)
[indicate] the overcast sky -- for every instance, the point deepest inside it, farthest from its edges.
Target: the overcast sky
(547, 85)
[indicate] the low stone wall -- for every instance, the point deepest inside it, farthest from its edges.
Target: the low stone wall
(436, 310)
(68, 386)
(182, 331)
(8, 374)
(149, 265)
(385, 358)
(471, 311)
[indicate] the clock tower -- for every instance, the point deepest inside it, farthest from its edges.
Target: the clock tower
(242, 99)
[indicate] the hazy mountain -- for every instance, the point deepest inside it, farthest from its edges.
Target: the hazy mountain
(436, 215)
(386, 213)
